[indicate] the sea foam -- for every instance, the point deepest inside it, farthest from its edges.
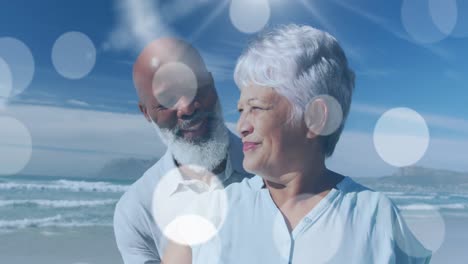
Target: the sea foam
(66, 185)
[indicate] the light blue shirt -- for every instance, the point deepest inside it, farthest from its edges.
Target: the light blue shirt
(351, 224)
(137, 229)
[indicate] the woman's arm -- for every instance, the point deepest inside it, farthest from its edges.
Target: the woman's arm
(177, 254)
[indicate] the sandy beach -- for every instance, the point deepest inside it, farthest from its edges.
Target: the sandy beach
(454, 249)
(78, 245)
(95, 245)
(56, 221)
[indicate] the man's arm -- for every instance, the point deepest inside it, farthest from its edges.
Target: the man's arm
(135, 246)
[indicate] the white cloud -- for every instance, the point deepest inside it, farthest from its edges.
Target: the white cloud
(77, 103)
(355, 156)
(139, 22)
(447, 153)
(175, 9)
(77, 142)
(451, 123)
(433, 120)
(73, 142)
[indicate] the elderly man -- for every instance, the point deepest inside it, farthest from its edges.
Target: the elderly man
(177, 95)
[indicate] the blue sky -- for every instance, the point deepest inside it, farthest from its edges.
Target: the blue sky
(95, 119)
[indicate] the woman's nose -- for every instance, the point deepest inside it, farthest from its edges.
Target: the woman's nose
(244, 126)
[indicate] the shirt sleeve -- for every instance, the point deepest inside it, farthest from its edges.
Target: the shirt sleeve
(134, 244)
(407, 248)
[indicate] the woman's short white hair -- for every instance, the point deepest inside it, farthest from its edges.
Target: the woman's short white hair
(300, 63)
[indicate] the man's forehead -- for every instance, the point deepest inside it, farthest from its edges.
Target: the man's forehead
(167, 51)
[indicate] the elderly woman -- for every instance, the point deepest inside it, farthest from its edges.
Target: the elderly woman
(296, 90)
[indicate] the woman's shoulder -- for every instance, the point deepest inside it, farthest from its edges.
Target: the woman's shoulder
(362, 196)
(247, 188)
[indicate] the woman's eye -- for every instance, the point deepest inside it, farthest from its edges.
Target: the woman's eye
(250, 109)
(255, 108)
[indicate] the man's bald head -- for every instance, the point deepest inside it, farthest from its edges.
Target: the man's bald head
(178, 96)
(161, 52)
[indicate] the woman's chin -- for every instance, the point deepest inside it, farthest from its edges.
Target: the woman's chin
(250, 166)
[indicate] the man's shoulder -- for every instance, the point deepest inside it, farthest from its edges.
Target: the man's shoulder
(140, 192)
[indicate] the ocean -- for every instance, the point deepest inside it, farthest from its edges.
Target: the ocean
(51, 220)
(45, 202)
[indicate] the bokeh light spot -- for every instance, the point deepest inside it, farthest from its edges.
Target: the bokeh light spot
(444, 14)
(401, 137)
(172, 82)
(73, 55)
(199, 205)
(315, 113)
(20, 61)
(249, 16)
(428, 21)
(427, 225)
(190, 230)
(6, 83)
(461, 27)
(15, 146)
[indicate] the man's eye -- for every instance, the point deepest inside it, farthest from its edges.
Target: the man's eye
(161, 107)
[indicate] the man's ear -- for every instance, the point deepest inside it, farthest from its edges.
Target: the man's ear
(144, 111)
(316, 116)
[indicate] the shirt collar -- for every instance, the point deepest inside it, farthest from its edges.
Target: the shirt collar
(169, 167)
(200, 186)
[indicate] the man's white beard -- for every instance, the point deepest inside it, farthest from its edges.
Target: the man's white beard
(207, 154)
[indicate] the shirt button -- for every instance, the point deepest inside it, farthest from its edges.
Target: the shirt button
(307, 220)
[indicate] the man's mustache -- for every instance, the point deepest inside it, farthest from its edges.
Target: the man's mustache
(194, 119)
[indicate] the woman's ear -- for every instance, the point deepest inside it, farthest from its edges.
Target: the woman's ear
(323, 116)
(316, 117)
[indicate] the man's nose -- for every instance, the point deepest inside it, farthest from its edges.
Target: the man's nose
(187, 107)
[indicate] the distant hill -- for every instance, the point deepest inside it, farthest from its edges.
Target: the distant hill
(426, 176)
(125, 169)
(415, 178)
